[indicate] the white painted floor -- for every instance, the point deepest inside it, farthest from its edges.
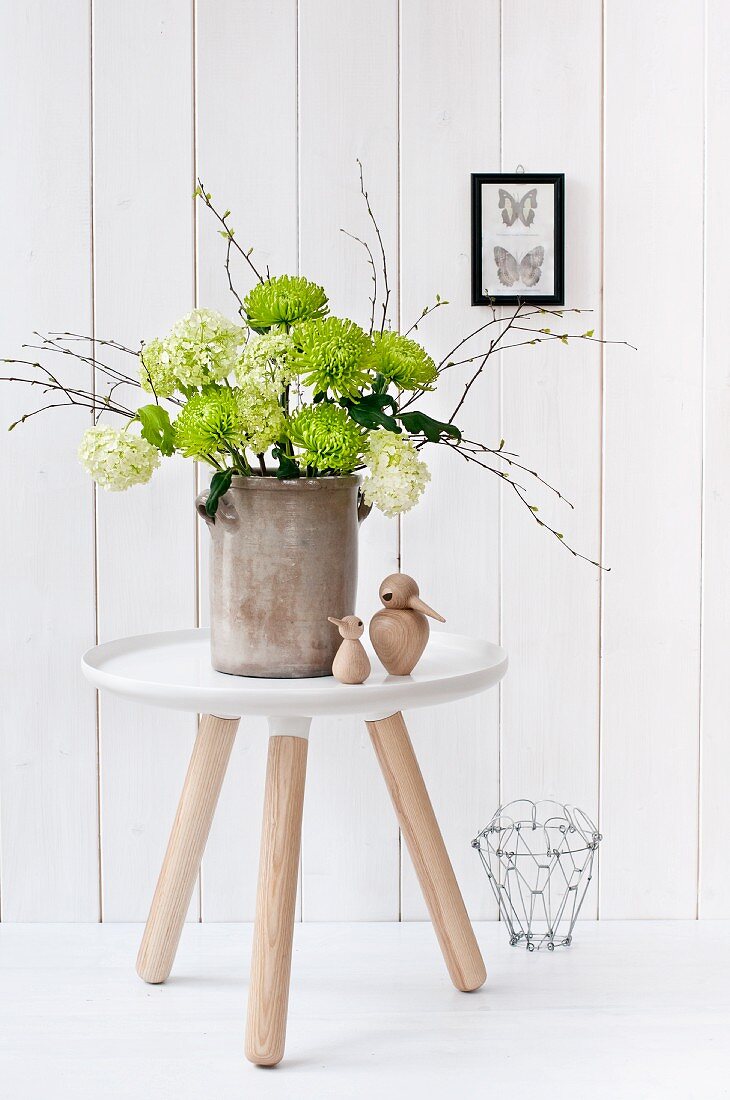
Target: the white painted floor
(631, 1010)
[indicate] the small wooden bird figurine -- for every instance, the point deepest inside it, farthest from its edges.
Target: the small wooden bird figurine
(400, 632)
(351, 664)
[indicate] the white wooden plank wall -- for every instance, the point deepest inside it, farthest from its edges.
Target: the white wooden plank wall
(652, 455)
(617, 696)
(446, 131)
(714, 881)
(143, 280)
(551, 415)
(48, 775)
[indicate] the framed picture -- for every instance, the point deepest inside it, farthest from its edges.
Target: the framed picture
(517, 238)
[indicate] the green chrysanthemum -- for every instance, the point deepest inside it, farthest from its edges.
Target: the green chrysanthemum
(329, 439)
(402, 361)
(210, 423)
(157, 371)
(284, 300)
(330, 355)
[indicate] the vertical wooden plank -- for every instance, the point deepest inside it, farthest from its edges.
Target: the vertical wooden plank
(449, 75)
(347, 109)
(49, 823)
(241, 49)
(551, 408)
(714, 894)
(143, 176)
(653, 459)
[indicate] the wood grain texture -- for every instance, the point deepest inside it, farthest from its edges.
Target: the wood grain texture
(178, 877)
(281, 832)
(399, 631)
(242, 47)
(653, 465)
(48, 808)
(351, 664)
(348, 108)
(427, 850)
(144, 268)
(714, 881)
(551, 414)
(399, 639)
(450, 127)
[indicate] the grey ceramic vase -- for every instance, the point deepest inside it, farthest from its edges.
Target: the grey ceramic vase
(284, 557)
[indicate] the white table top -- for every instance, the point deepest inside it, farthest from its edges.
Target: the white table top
(172, 669)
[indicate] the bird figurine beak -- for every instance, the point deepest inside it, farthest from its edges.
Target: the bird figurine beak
(416, 604)
(335, 622)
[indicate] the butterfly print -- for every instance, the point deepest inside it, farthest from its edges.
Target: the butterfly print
(513, 208)
(526, 271)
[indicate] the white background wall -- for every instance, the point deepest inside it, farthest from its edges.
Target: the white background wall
(618, 693)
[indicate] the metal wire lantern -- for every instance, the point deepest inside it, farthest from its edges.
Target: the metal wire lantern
(539, 861)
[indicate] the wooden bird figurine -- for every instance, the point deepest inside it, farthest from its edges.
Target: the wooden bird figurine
(400, 632)
(351, 664)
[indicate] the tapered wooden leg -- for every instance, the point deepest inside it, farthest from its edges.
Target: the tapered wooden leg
(281, 836)
(185, 847)
(428, 851)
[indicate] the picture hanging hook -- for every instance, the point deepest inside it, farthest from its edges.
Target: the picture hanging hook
(520, 170)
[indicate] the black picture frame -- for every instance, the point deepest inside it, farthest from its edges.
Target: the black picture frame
(501, 294)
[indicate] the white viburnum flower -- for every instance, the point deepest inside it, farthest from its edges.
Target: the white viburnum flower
(157, 373)
(116, 459)
(266, 358)
(203, 347)
(397, 475)
(262, 414)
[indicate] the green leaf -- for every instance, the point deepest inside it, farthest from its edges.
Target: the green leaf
(287, 466)
(156, 428)
(373, 418)
(370, 412)
(377, 400)
(590, 332)
(417, 422)
(220, 483)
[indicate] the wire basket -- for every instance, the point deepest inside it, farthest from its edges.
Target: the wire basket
(539, 861)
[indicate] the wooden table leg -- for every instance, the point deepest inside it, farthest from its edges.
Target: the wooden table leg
(281, 835)
(185, 847)
(420, 828)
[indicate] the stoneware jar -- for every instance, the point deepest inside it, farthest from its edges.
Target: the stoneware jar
(284, 557)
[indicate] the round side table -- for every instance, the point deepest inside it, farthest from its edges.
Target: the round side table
(173, 670)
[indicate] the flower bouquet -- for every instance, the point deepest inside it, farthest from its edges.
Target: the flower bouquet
(285, 395)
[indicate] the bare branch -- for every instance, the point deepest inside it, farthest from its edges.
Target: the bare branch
(425, 313)
(67, 337)
(374, 276)
(520, 492)
(386, 295)
(227, 231)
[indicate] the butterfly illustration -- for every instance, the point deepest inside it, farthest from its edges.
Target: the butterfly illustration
(513, 208)
(526, 271)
